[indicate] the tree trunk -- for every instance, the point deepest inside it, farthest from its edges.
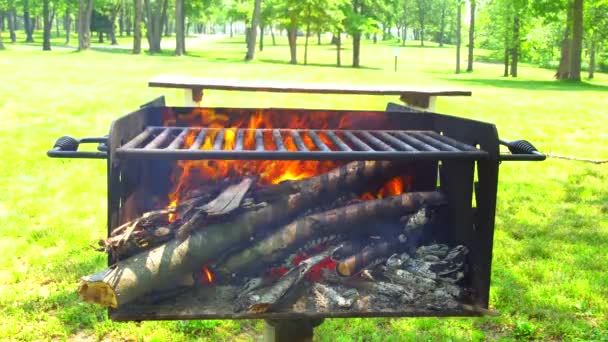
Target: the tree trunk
(458, 36)
(421, 33)
(155, 13)
(112, 33)
(85, 9)
(28, 22)
(274, 42)
(138, 14)
(2, 27)
(338, 48)
(255, 20)
(471, 36)
(128, 26)
(11, 26)
(577, 41)
(166, 24)
(564, 70)
(1, 43)
(318, 38)
(442, 27)
(404, 33)
(121, 21)
(179, 27)
(592, 49)
(507, 55)
(47, 26)
(306, 40)
(67, 25)
(292, 38)
(516, 44)
(100, 37)
(231, 30)
(57, 26)
(356, 49)
(261, 37)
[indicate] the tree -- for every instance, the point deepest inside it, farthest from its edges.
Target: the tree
(85, 10)
(155, 12)
(47, 17)
(458, 35)
(255, 20)
(27, 22)
(180, 26)
(423, 8)
(138, 15)
(359, 21)
(596, 17)
(570, 60)
(577, 41)
(473, 5)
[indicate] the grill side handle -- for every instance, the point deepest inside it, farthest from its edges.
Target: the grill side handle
(521, 150)
(67, 147)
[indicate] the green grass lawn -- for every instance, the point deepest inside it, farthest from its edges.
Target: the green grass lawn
(550, 266)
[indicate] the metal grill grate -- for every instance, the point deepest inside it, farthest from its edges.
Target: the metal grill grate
(198, 143)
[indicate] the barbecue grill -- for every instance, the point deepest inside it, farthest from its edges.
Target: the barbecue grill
(456, 158)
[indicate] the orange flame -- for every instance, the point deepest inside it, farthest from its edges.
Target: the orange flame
(208, 275)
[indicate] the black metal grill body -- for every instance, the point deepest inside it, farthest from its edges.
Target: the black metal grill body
(442, 150)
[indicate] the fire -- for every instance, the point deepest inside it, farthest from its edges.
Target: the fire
(207, 275)
(190, 173)
(392, 187)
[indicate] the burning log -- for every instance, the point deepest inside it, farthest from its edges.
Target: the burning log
(341, 220)
(227, 201)
(262, 300)
(371, 255)
(158, 268)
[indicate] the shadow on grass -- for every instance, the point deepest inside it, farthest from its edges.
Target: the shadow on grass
(548, 85)
(286, 62)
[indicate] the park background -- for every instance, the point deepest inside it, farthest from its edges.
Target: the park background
(536, 69)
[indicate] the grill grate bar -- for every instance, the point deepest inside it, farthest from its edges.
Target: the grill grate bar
(240, 136)
(434, 142)
(179, 140)
(218, 144)
(318, 142)
(259, 140)
(357, 142)
(396, 142)
(278, 140)
(156, 142)
(452, 142)
(140, 138)
(298, 140)
(200, 139)
(169, 143)
(377, 143)
(337, 141)
(420, 145)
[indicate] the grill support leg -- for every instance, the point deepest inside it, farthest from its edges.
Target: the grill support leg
(290, 330)
(193, 97)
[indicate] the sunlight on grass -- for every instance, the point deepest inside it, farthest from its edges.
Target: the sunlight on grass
(550, 270)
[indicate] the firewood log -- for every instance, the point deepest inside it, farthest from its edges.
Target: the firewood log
(160, 267)
(341, 220)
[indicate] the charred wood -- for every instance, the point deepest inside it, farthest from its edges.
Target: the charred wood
(341, 220)
(157, 268)
(262, 300)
